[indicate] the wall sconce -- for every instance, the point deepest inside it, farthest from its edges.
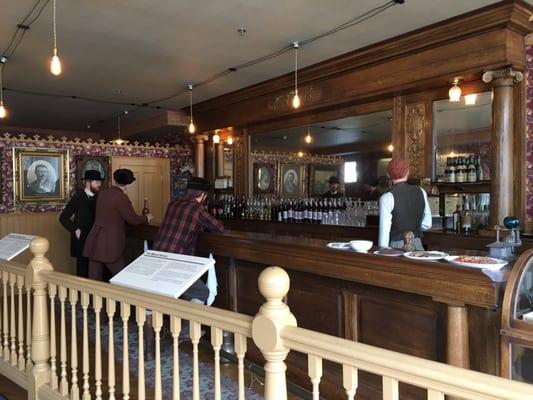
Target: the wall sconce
(455, 91)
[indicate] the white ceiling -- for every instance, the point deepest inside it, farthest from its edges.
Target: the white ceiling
(150, 49)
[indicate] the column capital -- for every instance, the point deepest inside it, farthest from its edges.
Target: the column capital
(504, 73)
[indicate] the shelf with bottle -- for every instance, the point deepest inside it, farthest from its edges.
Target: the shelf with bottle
(467, 187)
(463, 174)
(342, 211)
(471, 214)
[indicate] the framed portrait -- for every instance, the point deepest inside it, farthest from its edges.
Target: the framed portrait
(264, 178)
(319, 176)
(40, 175)
(291, 180)
(86, 163)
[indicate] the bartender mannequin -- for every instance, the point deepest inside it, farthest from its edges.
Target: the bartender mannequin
(403, 208)
(333, 192)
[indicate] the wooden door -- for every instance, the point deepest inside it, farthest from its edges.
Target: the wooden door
(152, 182)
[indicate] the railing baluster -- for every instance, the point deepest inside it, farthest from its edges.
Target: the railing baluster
(157, 322)
(12, 281)
(52, 290)
(435, 395)
(390, 388)
(175, 327)
(140, 318)
(216, 342)
(111, 307)
(29, 363)
(349, 380)
(21, 359)
(63, 384)
(97, 307)
(195, 331)
(314, 369)
(240, 349)
(5, 278)
(125, 312)
(75, 389)
(86, 362)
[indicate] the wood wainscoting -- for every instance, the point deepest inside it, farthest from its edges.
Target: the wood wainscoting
(44, 224)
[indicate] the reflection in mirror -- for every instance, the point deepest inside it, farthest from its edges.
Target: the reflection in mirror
(361, 144)
(228, 161)
(461, 130)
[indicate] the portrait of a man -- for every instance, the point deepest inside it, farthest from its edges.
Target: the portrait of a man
(96, 163)
(41, 175)
(264, 178)
(291, 180)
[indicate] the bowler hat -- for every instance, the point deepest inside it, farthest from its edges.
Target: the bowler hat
(92, 175)
(123, 176)
(333, 179)
(199, 184)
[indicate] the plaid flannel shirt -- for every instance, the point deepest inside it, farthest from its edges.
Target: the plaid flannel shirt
(184, 220)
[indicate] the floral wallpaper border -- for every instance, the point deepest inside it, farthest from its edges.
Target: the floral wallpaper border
(179, 156)
(529, 147)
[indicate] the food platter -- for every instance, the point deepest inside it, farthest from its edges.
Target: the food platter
(423, 255)
(339, 245)
(389, 252)
(477, 262)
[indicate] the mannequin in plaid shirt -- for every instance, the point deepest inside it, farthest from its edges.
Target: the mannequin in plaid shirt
(184, 219)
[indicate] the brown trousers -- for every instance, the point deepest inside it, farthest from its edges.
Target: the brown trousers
(97, 269)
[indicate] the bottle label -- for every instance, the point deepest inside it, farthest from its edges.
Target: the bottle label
(285, 214)
(290, 213)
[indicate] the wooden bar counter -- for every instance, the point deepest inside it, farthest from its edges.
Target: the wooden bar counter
(432, 310)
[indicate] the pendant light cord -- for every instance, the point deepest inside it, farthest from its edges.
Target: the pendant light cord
(190, 101)
(55, 31)
(296, 67)
(2, 84)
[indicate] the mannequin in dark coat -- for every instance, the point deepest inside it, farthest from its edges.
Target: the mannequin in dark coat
(78, 218)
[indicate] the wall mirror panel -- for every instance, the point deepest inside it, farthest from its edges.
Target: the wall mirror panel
(460, 130)
(356, 149)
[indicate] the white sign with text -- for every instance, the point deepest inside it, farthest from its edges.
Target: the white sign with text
(14, 244)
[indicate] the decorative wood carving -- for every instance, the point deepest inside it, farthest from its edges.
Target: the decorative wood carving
(415, 120)
(308, 95)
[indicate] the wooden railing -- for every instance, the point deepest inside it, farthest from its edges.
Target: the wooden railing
(37, 353)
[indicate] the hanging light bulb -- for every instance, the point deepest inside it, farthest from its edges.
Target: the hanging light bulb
(3, 110)
(300, 154)
(55, 64)
(455, 91)
(390, 147)
(119, 141)
(229, 140)
(308, 137)
(470, 99)
(216, 138)
(296, 99)
(192, 128)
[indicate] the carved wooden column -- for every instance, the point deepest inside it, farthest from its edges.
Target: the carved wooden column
(241, 162)
(199, 155)
(458, 352)
(502, 173)
(219, 160)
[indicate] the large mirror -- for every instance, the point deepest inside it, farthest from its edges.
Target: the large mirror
(299, 161)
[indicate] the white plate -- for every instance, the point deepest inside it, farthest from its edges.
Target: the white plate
(431, 255)
(497, 266)
(379, 253)
(339, 245)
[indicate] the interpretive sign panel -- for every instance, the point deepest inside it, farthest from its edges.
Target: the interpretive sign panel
(158, 272)
(14, 244)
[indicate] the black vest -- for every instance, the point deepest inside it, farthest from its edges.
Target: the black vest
(408, 210)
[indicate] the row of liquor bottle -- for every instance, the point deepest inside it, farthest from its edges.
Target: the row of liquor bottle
(342, 211)
(463, 169)
(471, 215)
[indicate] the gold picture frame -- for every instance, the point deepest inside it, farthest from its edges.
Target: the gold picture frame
(291, 180)
(40, 176)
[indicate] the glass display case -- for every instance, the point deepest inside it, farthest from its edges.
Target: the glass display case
(517, 321)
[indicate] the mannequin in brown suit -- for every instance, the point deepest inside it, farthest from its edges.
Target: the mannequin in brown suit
(104, 246)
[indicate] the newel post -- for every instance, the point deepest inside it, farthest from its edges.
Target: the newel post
(40, 350)
(267, 326)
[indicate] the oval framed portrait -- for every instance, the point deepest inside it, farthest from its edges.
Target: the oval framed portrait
(264, 178)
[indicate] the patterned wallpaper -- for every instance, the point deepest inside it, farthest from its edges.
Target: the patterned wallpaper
(529, 150)
(179, 157)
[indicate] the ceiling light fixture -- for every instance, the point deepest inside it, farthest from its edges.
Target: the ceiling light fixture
(192, 128)
(3, 110)
(471, 99)
(119, 141)
(216, 138)
(455, 91)
(55, 65)
(229, 140)
(390, 147)
(308, 137)
(296, 99)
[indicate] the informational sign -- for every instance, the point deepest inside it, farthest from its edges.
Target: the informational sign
(167, 274)
(14, 244)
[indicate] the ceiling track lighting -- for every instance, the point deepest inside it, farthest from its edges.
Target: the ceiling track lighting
(455, 91)
(296, 99)
(192, 128)
(3, 110)
(55, 64)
